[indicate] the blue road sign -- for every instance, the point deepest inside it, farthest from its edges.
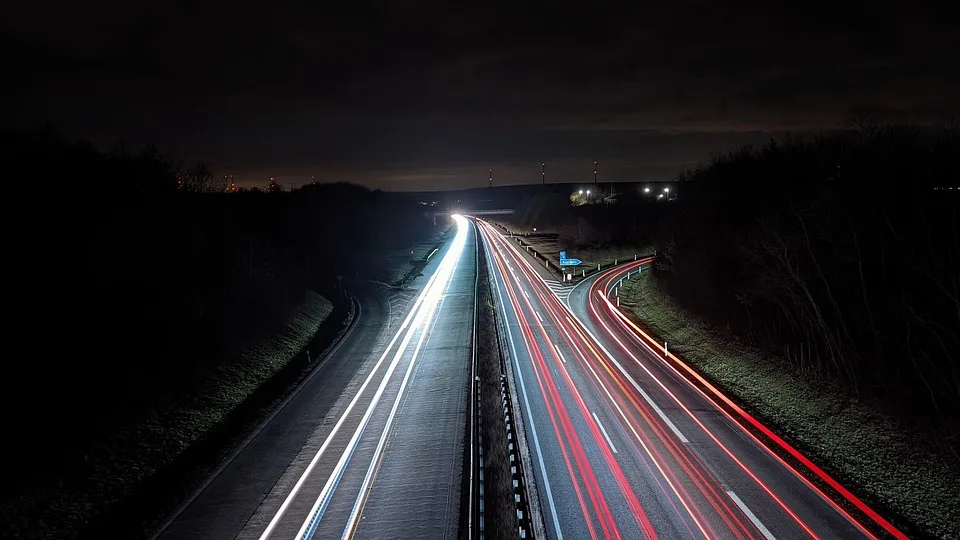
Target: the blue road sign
(564, 261)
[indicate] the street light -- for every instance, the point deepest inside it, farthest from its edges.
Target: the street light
(646, 190)
(581, 192)
(588, 192)
(660, 196)
(666, 190)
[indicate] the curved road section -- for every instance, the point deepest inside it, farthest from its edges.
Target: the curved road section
(372, 444)
(622, 445)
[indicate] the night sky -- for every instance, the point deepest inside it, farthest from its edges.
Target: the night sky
(430, 96)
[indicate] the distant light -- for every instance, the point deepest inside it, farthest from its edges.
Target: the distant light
(646, 190)
(660, 196)
(581, 192)
(588, 192)
(666, 190)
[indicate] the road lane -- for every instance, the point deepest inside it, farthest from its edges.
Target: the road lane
(681, 468)
(580, 418)
(359, 467)
(773, 486)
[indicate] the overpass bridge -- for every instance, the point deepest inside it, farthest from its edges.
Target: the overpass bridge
(491, 212)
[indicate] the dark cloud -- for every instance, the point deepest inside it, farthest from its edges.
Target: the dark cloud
(391, 93)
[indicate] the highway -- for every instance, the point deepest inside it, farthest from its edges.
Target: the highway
(622, 445)
(372, 444)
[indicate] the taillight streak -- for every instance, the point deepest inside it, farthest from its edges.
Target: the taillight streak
(634, 331)
(687, 461)
(551, 398)
(696, 420)
(690, 466)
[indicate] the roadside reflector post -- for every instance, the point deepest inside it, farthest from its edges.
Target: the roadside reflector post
(584, 273)
(665, 349)
(618, 300)
(615, 261)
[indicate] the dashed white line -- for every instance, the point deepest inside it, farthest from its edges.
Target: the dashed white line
(539, 316)
(561, 356)
(756, 521)
(662, 415)
(605, 436)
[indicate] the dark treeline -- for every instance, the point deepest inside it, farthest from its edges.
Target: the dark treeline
(840, 253)
(129, 279)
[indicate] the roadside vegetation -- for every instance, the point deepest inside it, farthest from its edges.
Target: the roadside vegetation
(870, 452)
(402, 265)
(157, 315)
(113, 465)
(836, 261)
(816, 278)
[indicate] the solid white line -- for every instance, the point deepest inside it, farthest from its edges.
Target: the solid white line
(381, 444)
(756, 521)
(336, 428)
(605, 436)
(446, 268)
(526, 402)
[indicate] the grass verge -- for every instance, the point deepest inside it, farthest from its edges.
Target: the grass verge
(110, 472)
(848, 438)
(550, 246)
(405, 264)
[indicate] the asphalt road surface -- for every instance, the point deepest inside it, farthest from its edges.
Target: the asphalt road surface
(622, 446)
(372, 444)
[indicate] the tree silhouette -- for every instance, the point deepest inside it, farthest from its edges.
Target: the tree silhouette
(200, 179)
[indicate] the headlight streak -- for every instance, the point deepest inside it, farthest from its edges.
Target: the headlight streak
(424, 304)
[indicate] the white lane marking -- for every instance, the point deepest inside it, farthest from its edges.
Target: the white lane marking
(336, 428)
(633, 382)
(646, 397)
(756, 521)
(526, 402)
(446, 268)
(561, 356)
(663, 416)
(539, 316)
(381, 444)
(605, 436)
